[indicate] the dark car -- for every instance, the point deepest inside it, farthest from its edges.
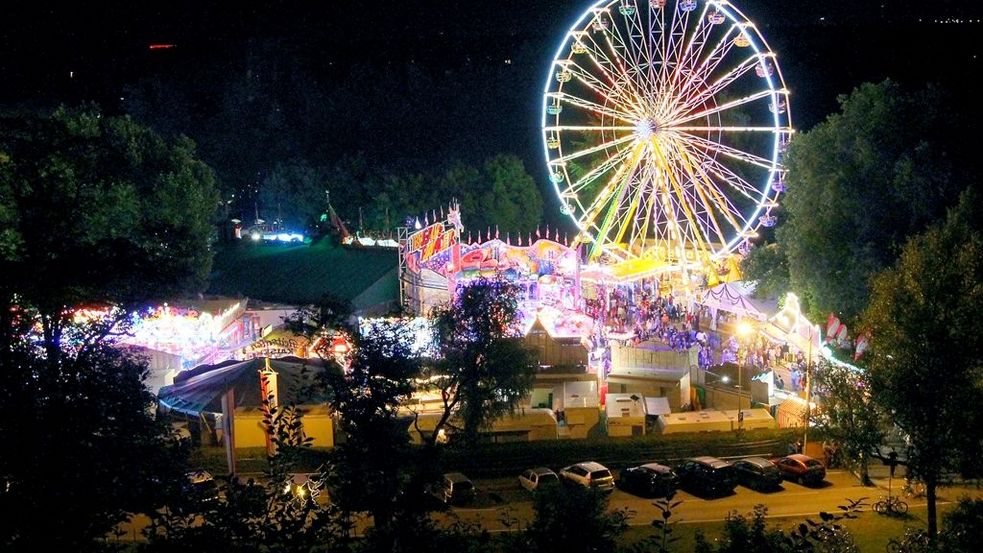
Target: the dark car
(651, 480)
(801, 468)
(758, 474)
(199, 487)
(455, 489)
(707, 476)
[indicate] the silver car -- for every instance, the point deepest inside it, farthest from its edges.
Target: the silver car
(590, 475)
(536, 478)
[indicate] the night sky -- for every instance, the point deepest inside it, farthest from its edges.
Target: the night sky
(89, 51)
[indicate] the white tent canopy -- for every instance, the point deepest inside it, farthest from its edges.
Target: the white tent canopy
(733, 298)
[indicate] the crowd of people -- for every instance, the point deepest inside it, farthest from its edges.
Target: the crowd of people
(647, 316)
(642, 314)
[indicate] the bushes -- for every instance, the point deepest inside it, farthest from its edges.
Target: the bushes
(509, 459)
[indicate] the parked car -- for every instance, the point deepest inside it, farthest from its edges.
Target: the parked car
(455, 489)
(590, 475)
(707, 475)
(650, 480)
(758, 473)
(535, 479)
(802, 468)
(200, 487)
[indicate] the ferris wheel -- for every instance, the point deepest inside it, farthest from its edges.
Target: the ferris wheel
(664, 124)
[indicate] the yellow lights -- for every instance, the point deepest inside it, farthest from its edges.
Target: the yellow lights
(744, 329)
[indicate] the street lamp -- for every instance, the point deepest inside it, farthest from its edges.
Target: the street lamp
(744, 331)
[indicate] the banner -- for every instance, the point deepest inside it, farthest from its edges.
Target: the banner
(431, 241)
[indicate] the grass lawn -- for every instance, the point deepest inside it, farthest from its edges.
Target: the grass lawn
(297, 273)
(871, 530)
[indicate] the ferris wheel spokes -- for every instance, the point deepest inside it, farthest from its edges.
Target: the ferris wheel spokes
(723, 107)
(591, 106)
(709, 64)
(691, 51)
(698, 96)
(574, 188)
(658, 140)
(594, 149)
(735, 153)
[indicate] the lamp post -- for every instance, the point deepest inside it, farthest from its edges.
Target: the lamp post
(744, 331)
(805, 431)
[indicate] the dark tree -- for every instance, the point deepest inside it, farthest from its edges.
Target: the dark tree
(849, 416)
(926, 356)
(768, 266)
(81, 447)
(278, 513)
(574, 519)
(860, 183)
(294, 195)
(483, 369)
(98, 210)
(95, 211)
(369, 465)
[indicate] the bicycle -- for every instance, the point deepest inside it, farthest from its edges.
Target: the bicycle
(890, 505)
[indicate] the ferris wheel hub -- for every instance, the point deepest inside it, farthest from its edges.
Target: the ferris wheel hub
(646, 128)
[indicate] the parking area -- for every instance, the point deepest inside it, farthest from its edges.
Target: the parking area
(499, 496)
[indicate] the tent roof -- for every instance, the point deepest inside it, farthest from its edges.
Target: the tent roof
(734, 297)
(200, 390)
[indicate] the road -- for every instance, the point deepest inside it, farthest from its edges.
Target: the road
(503, 499)
(792, 500)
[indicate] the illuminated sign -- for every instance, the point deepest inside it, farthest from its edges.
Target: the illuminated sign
(431, 241)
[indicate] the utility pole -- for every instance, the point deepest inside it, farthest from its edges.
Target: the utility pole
(805, 432)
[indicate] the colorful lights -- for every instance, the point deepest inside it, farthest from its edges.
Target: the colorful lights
(636, 135)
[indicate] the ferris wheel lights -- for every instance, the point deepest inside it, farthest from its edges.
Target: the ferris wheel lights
(655, 173)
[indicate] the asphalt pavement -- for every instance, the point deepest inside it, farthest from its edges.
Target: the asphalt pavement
(503, 505)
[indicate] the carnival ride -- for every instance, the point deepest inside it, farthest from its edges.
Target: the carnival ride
(664, 124)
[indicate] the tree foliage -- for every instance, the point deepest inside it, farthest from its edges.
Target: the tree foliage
(370, 465)
(926, 358)
(103, 208)
(574, 519)
(294, 194)
(750, 533)
(276, 513)
(483, 369)
(849, 416)
(860, 183)
(768, 266)
(81, 447)
(497, 193)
